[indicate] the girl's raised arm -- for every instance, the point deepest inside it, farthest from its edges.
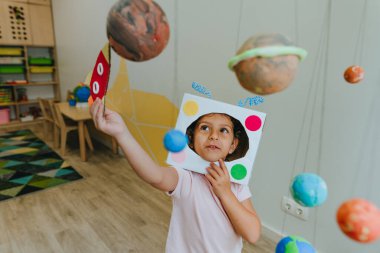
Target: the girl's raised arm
(111, 123)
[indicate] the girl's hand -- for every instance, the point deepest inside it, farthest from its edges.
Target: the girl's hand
(110, 122)
(219, 178)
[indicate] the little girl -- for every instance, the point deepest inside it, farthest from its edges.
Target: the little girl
(210, 214)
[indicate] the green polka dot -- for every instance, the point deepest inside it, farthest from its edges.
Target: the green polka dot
(238, 171)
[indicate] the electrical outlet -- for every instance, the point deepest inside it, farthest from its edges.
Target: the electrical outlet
(289, 206)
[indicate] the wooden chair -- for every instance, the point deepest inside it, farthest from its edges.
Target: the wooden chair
(56, 125)
(47, 114)
(65, 126)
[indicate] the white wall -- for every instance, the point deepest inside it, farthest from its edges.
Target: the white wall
(207, 38)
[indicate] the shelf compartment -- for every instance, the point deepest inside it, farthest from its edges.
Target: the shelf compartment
(40, 69)
(4, 115)
(11, 51)
(6, 95)
(11, 61)
(41, 61)
(7, 103)
(11, 69)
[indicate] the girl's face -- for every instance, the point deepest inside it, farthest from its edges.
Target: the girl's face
(214, 137)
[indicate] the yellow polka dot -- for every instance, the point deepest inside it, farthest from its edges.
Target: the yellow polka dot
(363, 238)
(190, 108)
(365, 230)
(353, 217)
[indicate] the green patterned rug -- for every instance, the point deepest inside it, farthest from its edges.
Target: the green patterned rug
(28, 165)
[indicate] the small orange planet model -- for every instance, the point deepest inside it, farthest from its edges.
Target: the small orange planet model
(354, 74)
(360, 220)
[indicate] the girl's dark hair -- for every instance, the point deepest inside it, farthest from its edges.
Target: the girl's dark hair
(239, 133)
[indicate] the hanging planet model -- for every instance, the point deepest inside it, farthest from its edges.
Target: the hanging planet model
(359, 219)
(354, 74)
(294, 244)
(309, 189)
(175, 141)
(137, 30)
(266, 63)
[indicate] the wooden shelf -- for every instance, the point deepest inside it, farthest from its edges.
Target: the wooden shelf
(37, 41)
(29, 102)
(8, 103)
(19, 123)
(28, 84)
(19, 107)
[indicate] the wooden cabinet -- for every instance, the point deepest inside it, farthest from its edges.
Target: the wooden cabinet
(28, 60)
(44, 2)
(26, 22)
(14, 24)
(41, 25)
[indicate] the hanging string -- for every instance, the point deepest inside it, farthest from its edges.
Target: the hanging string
(358, 53)
(240, 17)
(374, 149)
(362, 30)
(303, 121)
(312, 84)
(323, 103)
(296, 22)
(321, 50)
(365, 139)
(371, 113)
(175, 55)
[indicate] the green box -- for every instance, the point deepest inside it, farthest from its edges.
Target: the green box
(41, 61)
(11, 69)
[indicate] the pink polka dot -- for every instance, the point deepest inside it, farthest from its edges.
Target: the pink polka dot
(253, 123)
(179, 157)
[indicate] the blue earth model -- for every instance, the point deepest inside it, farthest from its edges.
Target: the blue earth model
(309, 190)
(175, 141)
(294, 244)
(82, 93)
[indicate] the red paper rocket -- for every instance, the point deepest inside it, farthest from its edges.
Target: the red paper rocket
(100, 75)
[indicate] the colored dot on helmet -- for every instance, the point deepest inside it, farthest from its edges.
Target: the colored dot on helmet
(238, 171)
(253, 123)
(190, 108)
(179, 157)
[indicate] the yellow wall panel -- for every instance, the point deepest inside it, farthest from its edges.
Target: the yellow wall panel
(154, 137)
(148, 116)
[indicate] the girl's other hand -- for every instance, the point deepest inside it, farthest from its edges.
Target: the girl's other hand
(110, 122)
(219, 178)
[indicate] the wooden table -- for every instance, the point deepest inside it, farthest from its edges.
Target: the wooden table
(80, 114)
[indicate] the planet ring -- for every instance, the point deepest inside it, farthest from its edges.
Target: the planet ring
(267, 52)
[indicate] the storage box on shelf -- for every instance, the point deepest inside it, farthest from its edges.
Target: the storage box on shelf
(4, 116)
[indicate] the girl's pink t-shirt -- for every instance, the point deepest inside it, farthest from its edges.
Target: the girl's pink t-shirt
(199, 223)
